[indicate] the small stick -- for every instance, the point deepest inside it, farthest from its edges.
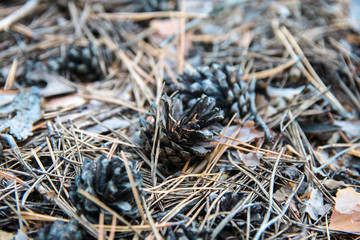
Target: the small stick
(255, 113)
(335, 157)
(271, 198)
(151, 221)
(11, 77)
(270, 72)
(22, 12)
(181, 48)
(146, 15)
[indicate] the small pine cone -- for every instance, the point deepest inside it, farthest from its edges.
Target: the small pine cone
(183, 134)
(62, 231)
(232, 94)
(83, 63)
(109, 182)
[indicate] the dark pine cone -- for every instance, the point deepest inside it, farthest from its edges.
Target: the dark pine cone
(109, 182)
(62, 231)
(83, 63)
(183, 134)
(232, 94)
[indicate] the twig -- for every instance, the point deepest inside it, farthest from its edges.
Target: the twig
(141, 16)
(287, 204)
(238, 207)
(271, 198)
(181, 46)
(253, 109)
(335, 157)
(22, 12)
(11, 76)
(270, 72)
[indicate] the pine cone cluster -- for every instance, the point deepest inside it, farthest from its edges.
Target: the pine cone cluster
(62, 231)
(183, 133)
(108, 181)
(224, 84)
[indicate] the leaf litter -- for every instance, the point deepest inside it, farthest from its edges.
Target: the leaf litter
(298, 64)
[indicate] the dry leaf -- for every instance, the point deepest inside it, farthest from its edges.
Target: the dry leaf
(346, 215)
(333, 184)
(283, 193)
(250, 159)
(60, 102)
(6, 99)
(249, 133)
(351, 128)
(323, 158)
(50, 84)
(314, 206)
(26, 110)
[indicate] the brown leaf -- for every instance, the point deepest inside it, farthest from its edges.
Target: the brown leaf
(249, 133)
(314, 206)
(346, 215)
(283, 193)
(250, 159)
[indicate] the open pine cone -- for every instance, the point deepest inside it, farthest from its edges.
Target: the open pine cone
(183, 133)
(224, 83)
(109, 182)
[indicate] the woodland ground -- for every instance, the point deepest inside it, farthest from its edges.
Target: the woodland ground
(98, 66)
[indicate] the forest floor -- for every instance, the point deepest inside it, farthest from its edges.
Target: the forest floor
(92, 148)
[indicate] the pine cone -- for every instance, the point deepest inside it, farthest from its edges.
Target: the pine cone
(83, 63)
(232, 94)
(62, 231)
(183, 133)
(109, 182)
